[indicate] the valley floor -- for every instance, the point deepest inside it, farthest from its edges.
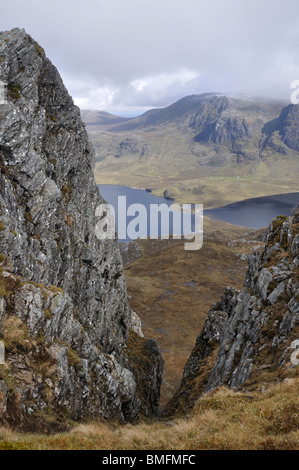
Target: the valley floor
(211, 191)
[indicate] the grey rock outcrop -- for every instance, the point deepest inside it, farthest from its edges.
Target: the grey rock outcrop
(247, 338)
(282, 133)
(61, 288)
(216, 124)
(295, 212)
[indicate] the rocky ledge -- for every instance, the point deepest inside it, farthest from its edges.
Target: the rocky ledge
(73, 347)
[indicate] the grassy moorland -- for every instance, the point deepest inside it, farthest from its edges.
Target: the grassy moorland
(224, 419)
(212, 191)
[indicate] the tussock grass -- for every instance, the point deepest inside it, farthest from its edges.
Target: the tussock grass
(15, 333)
(221, 420)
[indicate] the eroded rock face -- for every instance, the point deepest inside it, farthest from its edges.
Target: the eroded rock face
(48, 199)
(295, 212)
(247, 338)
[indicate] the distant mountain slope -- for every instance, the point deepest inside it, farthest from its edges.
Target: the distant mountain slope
(203, 136)
(282, 133)
(101, 118)
(231, 124)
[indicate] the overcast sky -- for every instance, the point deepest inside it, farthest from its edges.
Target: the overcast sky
(125, 56)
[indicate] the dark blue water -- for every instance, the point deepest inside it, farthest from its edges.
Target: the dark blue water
(251, 213)
(255, 213)
(110, 193)
(134, 196)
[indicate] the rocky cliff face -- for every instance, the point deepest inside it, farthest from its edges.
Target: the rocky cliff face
(282, 134)
(223, 120)
(248, 338)
(64, 314)
(232, 123)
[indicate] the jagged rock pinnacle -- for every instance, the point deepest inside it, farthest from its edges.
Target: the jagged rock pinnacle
(61, 288)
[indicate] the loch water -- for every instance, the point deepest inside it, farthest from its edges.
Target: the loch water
(252, 213)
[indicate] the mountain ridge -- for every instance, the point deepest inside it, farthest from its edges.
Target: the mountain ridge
(198, 144)
(186, 105)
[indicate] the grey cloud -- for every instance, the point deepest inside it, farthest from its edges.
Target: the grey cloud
(102, 48)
